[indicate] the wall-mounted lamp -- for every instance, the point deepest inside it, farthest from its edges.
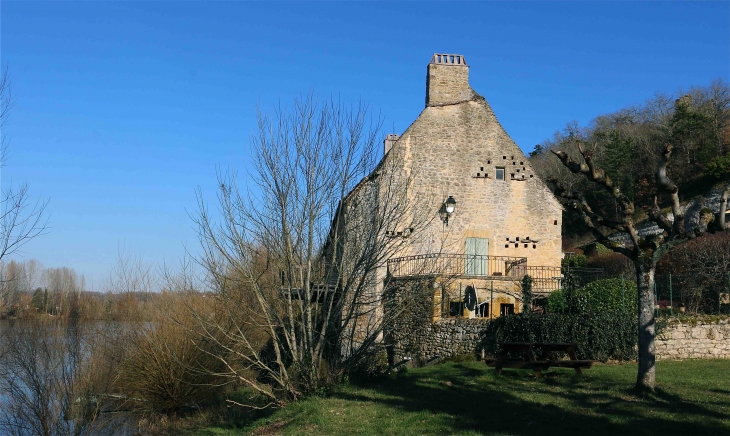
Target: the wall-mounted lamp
(447, 209)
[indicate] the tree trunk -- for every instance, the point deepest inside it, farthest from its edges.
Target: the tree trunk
(645, 378)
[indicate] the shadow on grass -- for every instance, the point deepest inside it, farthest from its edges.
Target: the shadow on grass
(558, 403)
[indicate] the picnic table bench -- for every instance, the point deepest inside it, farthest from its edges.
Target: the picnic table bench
(545, 360)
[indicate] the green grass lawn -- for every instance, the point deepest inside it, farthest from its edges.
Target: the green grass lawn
(692, 398)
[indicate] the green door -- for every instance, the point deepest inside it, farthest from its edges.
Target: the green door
(477, 250)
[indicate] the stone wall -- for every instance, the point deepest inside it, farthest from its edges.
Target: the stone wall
(447, 83)
(420, 341)
(443, 339)
(695, 339)
(416, 333)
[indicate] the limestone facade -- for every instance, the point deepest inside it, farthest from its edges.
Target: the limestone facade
(505, 221)
(457, 148)
(454, 148)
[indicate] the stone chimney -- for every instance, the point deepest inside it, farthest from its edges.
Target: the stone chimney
(389, 142)
(447, 81)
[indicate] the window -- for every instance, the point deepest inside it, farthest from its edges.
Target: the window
(482, 310)
(506, 309)
(456, 308)
(500, 174)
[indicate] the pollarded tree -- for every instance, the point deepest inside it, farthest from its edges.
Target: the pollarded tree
(644, 249)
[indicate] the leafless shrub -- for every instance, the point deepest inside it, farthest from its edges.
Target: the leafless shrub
(41, 388)
(613, 264)
(171, 364)
(296, 264)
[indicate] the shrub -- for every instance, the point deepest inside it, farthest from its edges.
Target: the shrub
(613, 264)
(602, 249)
(719, 167)
(608, 295)
(168, 366)
(526, 286)
(372, 366)
(598, 336)
(574, 261)
(555, 302)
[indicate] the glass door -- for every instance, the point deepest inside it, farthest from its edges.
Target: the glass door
(477, 250)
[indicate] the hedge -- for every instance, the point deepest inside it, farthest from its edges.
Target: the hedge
(598, 336)
(608, 295)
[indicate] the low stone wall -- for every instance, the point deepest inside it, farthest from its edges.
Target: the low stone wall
(414, 338)
(439, 340)
(694, 338)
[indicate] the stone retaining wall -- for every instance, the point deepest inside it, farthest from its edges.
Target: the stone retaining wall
(694, 340)
(422, 342)
(439, 340)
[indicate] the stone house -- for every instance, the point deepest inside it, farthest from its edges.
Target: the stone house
(489, 219)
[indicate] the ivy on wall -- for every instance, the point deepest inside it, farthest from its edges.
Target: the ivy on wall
(599, 317)
(598, 336)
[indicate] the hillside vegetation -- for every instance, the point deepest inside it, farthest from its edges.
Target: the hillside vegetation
(628, 145)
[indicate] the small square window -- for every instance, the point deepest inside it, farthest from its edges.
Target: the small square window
(481, 168)
(500, 174)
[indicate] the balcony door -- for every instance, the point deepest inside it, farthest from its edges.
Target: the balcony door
(477, 250)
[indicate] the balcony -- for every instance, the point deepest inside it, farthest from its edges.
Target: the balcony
(458, 265)
(544, 278)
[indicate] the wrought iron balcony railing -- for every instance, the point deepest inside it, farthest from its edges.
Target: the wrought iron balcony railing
(455, 265)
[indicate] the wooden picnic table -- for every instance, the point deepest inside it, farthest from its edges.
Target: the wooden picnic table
(545, 360)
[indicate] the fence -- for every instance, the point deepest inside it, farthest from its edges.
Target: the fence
(692, 293)
(549, 278)
(454, 265)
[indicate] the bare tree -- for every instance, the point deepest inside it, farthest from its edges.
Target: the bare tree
(41, 389)
(64, 287)
(644, 250)
(21, 217)
(701, 271)
(296, 263)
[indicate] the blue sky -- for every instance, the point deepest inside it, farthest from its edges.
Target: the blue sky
(123, 109)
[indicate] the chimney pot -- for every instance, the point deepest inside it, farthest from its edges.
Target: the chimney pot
(389, 141)
(447, 81)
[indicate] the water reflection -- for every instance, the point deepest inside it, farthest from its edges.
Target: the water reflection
(52, 381)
